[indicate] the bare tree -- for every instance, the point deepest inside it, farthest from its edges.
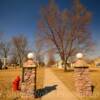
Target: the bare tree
(20, 44)
(4, 52)
(38, 48)
(66, 30)
(51, 58)
(4, 49)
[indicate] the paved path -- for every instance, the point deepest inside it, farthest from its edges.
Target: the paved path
(59, 92)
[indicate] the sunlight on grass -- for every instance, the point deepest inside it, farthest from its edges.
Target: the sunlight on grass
(6, 78)
(40, 78)
(68, 79)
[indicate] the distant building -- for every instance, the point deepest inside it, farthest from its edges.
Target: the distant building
(59, 64)
(97, 62)
(4, 61)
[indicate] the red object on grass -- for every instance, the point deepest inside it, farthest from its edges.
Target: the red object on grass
(15, 84)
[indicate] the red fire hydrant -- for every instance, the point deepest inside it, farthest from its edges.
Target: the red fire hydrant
(15, 84)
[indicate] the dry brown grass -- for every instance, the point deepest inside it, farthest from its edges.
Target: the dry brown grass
(6, 78)
(40, 78)
(68, 79)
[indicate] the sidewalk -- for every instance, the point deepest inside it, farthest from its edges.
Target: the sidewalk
(56, 90)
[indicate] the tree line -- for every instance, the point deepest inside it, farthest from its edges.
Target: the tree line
(60, 31)
(16, 48)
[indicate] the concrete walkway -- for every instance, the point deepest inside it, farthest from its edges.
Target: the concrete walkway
(56, 90)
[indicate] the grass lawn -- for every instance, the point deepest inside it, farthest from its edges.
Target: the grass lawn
(68, 79)
(6, 78)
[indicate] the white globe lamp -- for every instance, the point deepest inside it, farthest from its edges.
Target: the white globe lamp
(79, 55)
(30, 55)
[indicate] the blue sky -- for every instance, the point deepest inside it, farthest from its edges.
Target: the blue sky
(20, 17)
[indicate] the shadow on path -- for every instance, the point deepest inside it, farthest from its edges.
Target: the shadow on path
(41, 92)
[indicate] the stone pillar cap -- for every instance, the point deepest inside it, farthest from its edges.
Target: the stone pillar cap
(80, 63)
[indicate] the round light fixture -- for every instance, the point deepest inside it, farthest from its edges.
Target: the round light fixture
(79, 55)
(30, 55)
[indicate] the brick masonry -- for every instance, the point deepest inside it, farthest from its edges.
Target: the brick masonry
(83, 83)
(29, 75)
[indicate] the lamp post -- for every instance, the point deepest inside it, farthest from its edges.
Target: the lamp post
(82, 80)
(30, 57)
(29, 74)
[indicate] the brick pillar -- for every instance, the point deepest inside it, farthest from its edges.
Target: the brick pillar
(28, 86)
(82, 81)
